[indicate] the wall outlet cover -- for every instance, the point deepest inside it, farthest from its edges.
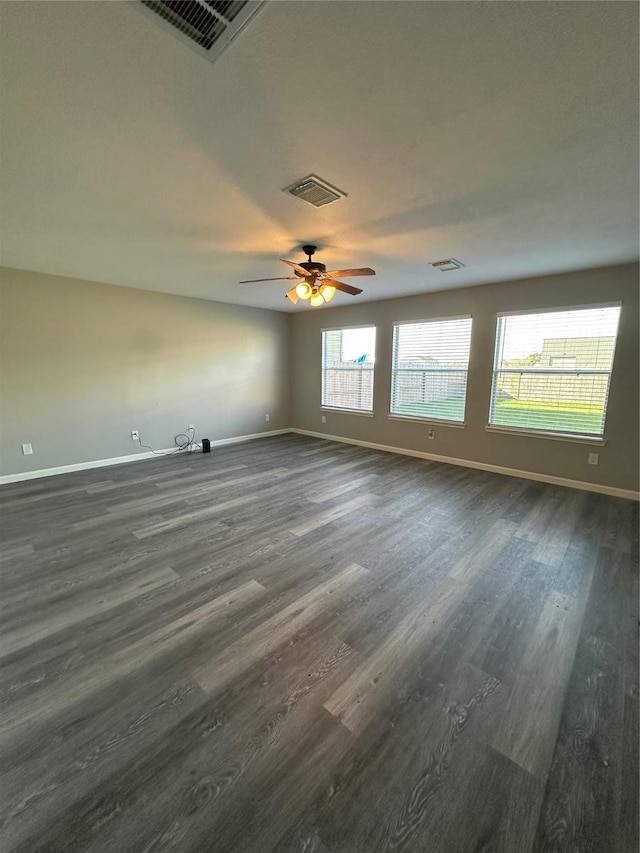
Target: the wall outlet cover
(27, 449)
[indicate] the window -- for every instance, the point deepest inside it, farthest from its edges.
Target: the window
(429, 370)
(551, 371)
(562, 361)
(348, 357)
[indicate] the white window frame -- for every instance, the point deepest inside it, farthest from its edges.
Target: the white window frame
(327, 407)
(449, 422)
(556, 435)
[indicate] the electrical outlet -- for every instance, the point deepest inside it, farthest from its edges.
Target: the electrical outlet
(27, 449)
(323, 419)
(267, 417)
(431, 433)
(593, 458)
(191, 426)
(135, 435)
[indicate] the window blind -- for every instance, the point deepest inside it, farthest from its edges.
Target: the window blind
(552, 370)
(429, 369)
(348, 357)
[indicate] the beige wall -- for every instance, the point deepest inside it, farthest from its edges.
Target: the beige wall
(82, 364)
(618, 466)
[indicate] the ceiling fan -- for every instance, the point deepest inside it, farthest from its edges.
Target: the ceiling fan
(314, 282)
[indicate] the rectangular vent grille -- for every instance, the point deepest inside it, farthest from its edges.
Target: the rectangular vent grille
(206, 25)
(315, 191)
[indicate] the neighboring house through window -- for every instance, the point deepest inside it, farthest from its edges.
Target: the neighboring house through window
(568, 361)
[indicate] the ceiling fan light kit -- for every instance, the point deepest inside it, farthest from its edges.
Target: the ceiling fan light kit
(316, 294)
(317, 285)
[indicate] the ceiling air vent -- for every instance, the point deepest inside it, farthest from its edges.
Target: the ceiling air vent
(447, 265)
(206, 25)
(314, 190)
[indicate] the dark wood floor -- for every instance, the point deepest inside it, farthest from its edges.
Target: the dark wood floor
(296, 645)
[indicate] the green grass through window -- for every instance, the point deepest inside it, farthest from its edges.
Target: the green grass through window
(451, 410)
(568, 417)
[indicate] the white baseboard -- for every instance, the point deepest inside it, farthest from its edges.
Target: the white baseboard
(468, 463)
(238, 438)
(120, 460)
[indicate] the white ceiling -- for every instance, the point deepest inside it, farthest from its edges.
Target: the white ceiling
(502, 134)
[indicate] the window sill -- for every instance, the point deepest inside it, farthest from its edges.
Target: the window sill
(554, 436)
(362, 414)
(430, 421)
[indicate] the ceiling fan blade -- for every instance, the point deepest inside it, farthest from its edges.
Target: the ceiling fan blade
(340, 285)
(347, 273)
(280, 278)
(292, 295)
(296, 267)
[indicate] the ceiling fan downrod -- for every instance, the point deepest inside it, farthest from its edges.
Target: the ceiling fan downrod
(309, 250)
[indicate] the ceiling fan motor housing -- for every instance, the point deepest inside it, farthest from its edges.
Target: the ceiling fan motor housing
(312, 267)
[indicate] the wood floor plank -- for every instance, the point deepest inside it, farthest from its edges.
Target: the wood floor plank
(320, 519)
(18, 551)
(337, 491)
(191, 517)
(583, 800)
(502, 797)
(529, 728)
(405, 827)
(552, 546)
(536, 521)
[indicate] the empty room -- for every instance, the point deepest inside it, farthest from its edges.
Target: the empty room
(319, 426)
